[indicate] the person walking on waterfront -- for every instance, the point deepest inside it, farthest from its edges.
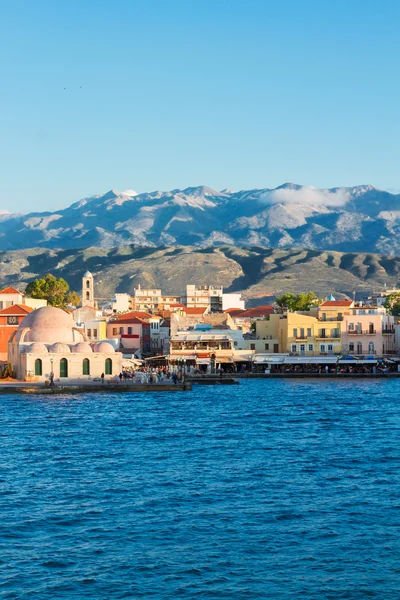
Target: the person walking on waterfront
(102, 378)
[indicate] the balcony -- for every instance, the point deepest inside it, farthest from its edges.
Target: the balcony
(388, 330)
(361, 352)
(361, 331)
(299, 338)
(330, 319)
(327, 336)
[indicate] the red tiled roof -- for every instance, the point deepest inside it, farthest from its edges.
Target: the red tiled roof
(176, 305)
(134, 314)
(195, 310)
(337, 303)
(121, 321)
(233, 311)
(10, 290)
(16, 309)
(257, 311)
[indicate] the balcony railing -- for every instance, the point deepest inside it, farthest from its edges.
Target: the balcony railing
(361, 332)
(361, 351)
(321, 320)
(388, 330)
(326, 336)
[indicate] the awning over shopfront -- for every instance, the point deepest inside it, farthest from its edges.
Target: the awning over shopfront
(203, 361)
(182, 357)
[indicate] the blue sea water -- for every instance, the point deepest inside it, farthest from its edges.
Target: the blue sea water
(270, 489)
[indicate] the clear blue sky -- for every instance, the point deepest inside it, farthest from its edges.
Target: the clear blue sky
(225, 93)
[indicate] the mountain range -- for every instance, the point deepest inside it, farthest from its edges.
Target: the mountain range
(258, 273)
(356, 219)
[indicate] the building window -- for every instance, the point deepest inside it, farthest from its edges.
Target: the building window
(86, 367)
(309, 334)
(351, 347)
(38, 366)
(371, 348)
(295, 333)
(302, 348)
(87, 283)
(351, 326)
(322, 347)
(310, 347)
(252, 346)
(87, 295)
(108, 366)
(95, 333)
(267, 346)
(330, 348)
(129, 330)
(121, 331)
(63, 367)
(114, 331)
(294, 348)
(324, 316)
(89, 333)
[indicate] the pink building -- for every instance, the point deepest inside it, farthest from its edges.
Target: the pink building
(368, 330)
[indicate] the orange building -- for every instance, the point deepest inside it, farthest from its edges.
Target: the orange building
(10, 318)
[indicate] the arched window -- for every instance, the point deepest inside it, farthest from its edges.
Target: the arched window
(86, 366)
(108, 369)
(63, 367)
(88, 284)
(38, 366)
(87, 295)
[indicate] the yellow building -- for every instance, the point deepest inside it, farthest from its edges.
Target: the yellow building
(328, 330)
(290, 332)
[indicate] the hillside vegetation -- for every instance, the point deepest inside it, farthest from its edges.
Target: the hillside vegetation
(258, 272)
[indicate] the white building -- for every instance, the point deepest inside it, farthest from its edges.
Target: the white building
(204, 296)
(9, 296)
(232, 301)
(153, 300)
(47, 342)
(121, 303)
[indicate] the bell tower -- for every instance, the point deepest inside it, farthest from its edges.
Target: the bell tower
(87, 289)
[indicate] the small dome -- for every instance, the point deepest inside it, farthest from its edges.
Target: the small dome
(82, 347)
(37, 348)
(104, 347)
(59, 348)
(88, 274)
(331, 298)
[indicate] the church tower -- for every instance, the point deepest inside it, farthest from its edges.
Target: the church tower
(88, 289)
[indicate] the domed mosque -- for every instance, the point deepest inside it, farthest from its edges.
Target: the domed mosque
(48, 342)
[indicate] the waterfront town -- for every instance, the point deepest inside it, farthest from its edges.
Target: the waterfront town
(207, 331)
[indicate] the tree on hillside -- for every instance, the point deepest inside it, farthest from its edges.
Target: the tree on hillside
(294, 302)
(392, 303)
(49, 288)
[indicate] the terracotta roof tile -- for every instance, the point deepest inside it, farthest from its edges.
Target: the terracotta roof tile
(257, 311)
(337, 303)
(10, 290)
(16, 309)
(194, 310)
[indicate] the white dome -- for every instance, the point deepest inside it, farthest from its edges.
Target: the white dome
(104, 347)
(59, 348)
(48, 324)
(82, 348)
(88, 274)
(37, 348)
